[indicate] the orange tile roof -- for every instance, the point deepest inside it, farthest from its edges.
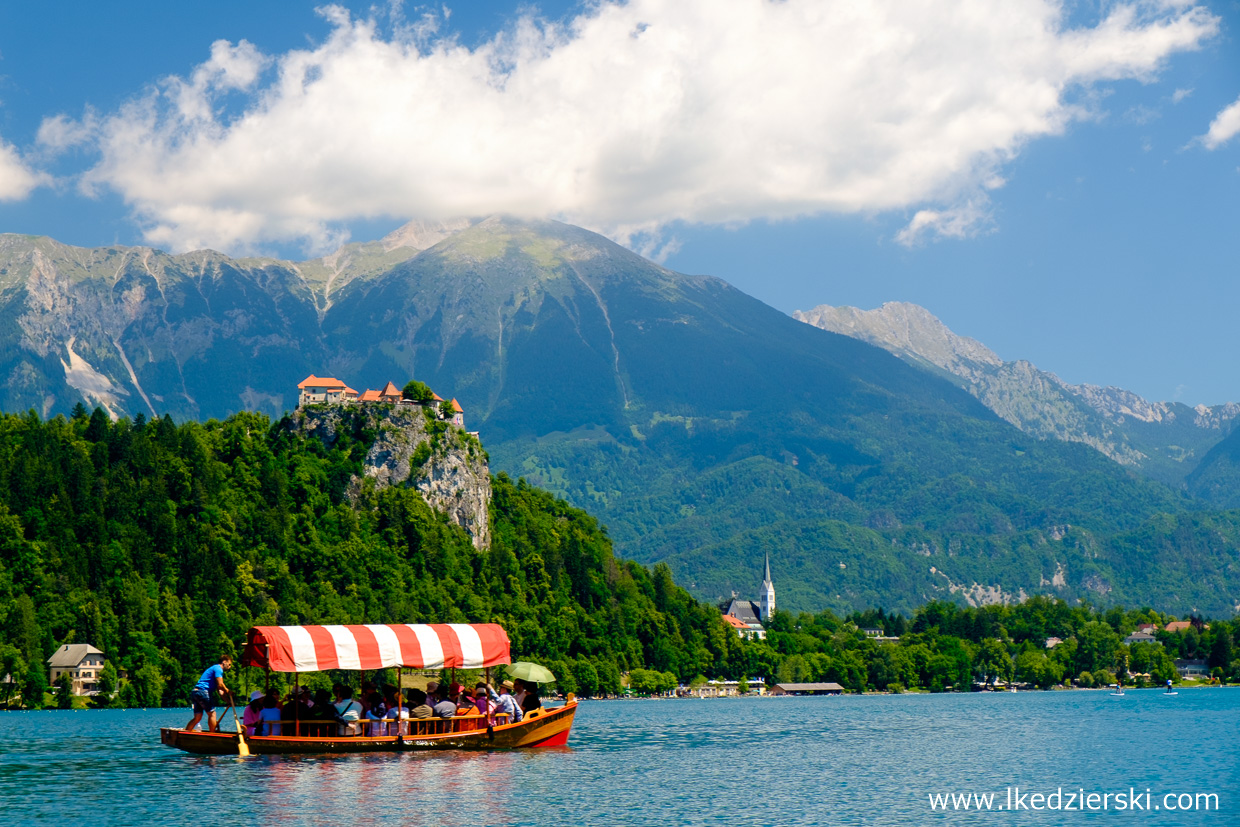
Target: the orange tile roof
(350, 392)
(369, 396)
(1179, 626)
(732, 621)
(313, 381)
(456, 407)
(390, 390)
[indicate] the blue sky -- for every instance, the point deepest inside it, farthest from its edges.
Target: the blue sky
(806, 153)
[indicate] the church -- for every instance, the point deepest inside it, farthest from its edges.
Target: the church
(747, 616)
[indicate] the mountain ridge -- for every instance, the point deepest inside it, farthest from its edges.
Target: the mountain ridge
(1111, 420)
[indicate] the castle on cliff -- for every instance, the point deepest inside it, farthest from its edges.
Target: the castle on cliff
(327, 390)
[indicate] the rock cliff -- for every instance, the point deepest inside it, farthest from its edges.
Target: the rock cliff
(413, 448)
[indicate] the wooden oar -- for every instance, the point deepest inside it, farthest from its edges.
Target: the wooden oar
(243, 749)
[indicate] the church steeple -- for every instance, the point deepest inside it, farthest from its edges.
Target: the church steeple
(768, 592)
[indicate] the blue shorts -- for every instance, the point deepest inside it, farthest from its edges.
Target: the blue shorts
(201, 701)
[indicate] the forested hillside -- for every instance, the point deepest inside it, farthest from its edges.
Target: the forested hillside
(161, 543)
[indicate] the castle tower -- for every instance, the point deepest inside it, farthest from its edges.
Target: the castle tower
(768, 593)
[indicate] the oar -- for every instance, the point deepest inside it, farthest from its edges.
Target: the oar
(243, 749)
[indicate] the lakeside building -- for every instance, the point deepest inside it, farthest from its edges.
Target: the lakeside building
(807, 689)
(1141, 637)
(82, 662)
(1192, 668)
(747, 616)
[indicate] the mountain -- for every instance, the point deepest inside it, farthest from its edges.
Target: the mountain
(704, 427)
(1165, 440)
(1217, 478)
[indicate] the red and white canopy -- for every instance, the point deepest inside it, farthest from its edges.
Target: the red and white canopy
(421, 646)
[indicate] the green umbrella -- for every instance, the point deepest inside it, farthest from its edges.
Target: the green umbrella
(529, 672)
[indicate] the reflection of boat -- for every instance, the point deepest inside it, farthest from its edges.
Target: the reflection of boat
(367, 648)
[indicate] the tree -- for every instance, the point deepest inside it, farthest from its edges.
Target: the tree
(1036, 668)
(1221, 652)
(418, 391)
(742, 685)
(35, 686)
(993, 661)
(107, 685)
(12, 665)
(64, 691)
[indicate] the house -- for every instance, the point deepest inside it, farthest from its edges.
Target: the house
(1140, 637)
(746, 612)
(390, 393)
(1194, 669)
(82, 662)
(742, 628)
(1181, 626)
(1052, 642)
(369, 396)
(321, 390)
(807, 689)
(873, 632)
(1148, 628)
(458, 414)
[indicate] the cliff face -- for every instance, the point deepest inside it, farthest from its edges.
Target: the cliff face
(445, 464)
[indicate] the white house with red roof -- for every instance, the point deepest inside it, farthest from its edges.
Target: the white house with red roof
(323, 390)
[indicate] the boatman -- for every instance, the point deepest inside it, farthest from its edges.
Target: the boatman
(212, 680)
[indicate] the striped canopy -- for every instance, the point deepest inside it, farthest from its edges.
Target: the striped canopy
(421, 646)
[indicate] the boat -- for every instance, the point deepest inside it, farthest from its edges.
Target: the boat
(1119, 690)
(370, 647)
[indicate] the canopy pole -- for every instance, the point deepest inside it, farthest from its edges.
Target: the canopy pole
(400, 697)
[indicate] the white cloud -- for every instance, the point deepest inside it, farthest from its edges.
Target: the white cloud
(632, 116)
(17, 178)
(1224, 127)
(1180, 94)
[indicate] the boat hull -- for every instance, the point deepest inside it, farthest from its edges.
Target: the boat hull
(550, 728)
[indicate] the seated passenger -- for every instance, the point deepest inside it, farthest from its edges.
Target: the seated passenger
(376, 714)
(397, 714)
(481, 702)
(323, 714)
(269, 718)
(444, 708)
(418, 706)
(253, 711)
(504, 702)
(530, 701)
(348, 711)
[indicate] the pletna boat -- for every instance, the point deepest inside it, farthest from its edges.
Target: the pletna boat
(371, 647)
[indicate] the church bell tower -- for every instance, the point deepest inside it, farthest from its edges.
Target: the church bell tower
(768, 593)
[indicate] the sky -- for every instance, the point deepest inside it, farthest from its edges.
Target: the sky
(1060, 181)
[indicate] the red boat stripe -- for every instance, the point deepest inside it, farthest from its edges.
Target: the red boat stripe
(495, 646)
(279, 649)
(324, 648)
(452, 658)
(410, 648)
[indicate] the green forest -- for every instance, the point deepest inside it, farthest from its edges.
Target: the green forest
(161, 543)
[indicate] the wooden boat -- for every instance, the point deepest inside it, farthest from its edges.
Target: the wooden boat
(429, 646)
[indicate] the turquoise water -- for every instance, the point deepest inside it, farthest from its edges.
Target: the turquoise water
(751, 761)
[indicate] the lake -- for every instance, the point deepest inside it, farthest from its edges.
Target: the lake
(873, 760)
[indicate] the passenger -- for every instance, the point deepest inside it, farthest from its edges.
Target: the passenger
(253, 711)
(504, 702)
(397, 714)
(531, 701)
(348, 711)
(376, 714)
(212, 680)
(323, 714)
(418, 705)
(444, 707)
(483, 703)
(518, 692)
(269, 718)
(465, 704)
(300, 708)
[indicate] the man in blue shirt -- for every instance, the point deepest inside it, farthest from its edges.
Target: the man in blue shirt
(212, 680)
(505, 702)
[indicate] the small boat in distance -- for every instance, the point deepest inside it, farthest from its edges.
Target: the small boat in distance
(1119, 690)
(372, 647)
